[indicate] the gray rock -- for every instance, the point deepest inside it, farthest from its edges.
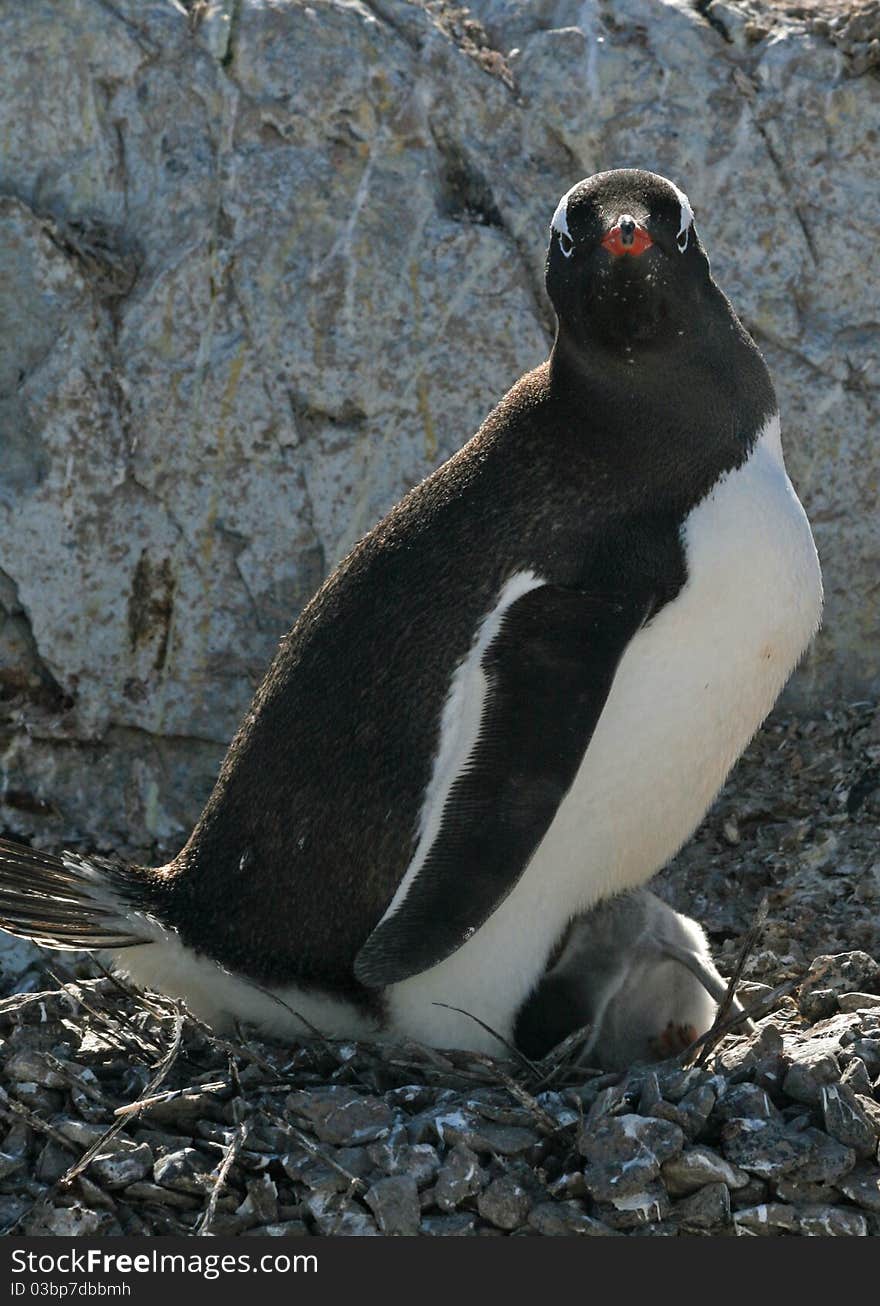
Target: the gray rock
(457, 1225)
(395, 1203)
(842, 972)
(859, 1001)
(817, 1004)
(697, 1166)
(707, 1208)
(745, 1101)
(156, 1195)
(623, 1138)
(862, 1186)
(31, 1066)
(696, 1107)
(564, 1220)
(848, 1122)
(9, 1164)
(260, 1205)
(769, 1219)
(468, 1129)
(53, 1162)
(339, 1115)
(282, 1229)
(460, 1177)
(339, 1216)
(419, 1160)
(803, 1191)
(806, 1079)
(74, 1221)
(504, 1203)
(182, 1171)
(868, 1051)
(648, 1206)
(118, 1167)
(770, 1149)
(624, 1155)
(831, 1222)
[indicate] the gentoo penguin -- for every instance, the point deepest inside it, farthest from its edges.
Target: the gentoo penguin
(516, 696)
(638, 973)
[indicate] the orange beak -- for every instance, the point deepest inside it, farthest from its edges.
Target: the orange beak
(628, 237)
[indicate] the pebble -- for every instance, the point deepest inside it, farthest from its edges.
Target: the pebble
(504, 1203)
(460, 1176)
(394, 1202)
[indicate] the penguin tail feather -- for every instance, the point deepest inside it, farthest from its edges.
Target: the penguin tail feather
(70, 902)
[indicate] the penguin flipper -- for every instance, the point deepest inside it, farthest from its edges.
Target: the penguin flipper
(549, 671)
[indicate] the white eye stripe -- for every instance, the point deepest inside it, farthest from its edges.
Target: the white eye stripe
(686, 219)
(566, 244)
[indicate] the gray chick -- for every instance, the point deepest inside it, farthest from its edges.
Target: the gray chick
(636, 971)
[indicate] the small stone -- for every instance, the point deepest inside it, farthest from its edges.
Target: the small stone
(831, 1222)
(340, 1116)
(79, 1132)
(807, 1078)
(696, 1108)
(31, 1066)
(800, 1191)
(460, 1177)
(9, 1164)
(419, 1160)
(182, 1171)
(856, 1077)
(394, 1202)
(868, 1051)
(624, 1154)
(826, 1159)
(260, 1205)
(646, 1207)
(564, 1219)
(747, 1102)
(753, 1193)
(75, 1221)
(119, 1167)
(54, 1161)
(862, 1186)
(847, 1122)
(338, 1215)
(156, 1195)
(570, 1184)
(44, 1102)
(817, 1004)
(282, 1229)
(769, 1219)
(698, 1166)
(457, 1225)
(858, 1001)
(504, 1203)
(707, 1207)
(622, 1138)
(770, 1149)
(842, 972)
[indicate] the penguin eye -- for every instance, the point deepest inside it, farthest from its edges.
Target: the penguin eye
(566, 244)
(682, 240)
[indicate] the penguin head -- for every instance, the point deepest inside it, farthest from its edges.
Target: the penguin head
(625, 266)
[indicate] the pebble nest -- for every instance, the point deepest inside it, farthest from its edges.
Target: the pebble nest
(121, 1114)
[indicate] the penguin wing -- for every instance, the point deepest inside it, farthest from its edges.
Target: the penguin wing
(547, 674)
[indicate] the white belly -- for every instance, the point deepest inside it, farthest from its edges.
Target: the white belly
(691, 690)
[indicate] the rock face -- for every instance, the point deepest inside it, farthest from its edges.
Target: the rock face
(263, 266)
